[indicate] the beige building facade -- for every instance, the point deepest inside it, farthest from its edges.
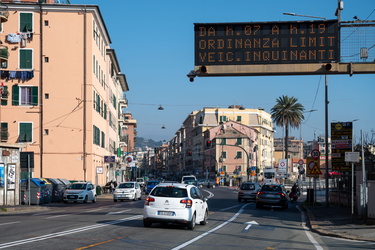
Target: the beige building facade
(65, 90)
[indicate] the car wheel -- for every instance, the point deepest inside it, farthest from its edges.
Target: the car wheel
(258, 205)
(94, 200)
(135, 197)
(86, 199)
(114, 200)
(147, 223)
(204, 221)
(140, 197)
(191, 224)
(65, 201)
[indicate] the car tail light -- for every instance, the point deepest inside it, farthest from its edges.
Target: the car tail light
(240, 192)
(188, 202)
(148, 200)
(282, 194)
(260, 192)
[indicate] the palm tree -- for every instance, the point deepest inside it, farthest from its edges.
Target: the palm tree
(287, 112)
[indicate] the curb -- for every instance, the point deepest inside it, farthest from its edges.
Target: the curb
(314, 226)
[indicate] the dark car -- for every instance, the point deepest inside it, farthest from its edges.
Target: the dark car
(272, 195)
(248, 191)
(150, 185)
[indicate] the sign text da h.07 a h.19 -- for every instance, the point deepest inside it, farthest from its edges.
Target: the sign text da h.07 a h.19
(266, 43)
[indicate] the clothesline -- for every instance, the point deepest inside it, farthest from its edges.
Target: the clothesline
(13, 74)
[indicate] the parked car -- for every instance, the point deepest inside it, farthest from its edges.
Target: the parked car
(175, 203)
(80, 191)
(248, 191)
(150, 185)
(188, 178)
(127, 191)
(191, 182)
(207, 183)
(272, 194)
(141, 182)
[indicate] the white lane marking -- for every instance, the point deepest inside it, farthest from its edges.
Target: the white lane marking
(210, 231)
(57, 216)
(307, 231)
(249, 224)
(72, 231)
(119, 212)
(210, 194)
(94, 210)
(9, 223)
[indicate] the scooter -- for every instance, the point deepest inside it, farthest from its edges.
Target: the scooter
(293, 196)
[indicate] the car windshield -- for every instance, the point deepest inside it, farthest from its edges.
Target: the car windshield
(169, 192)
(248, 186)
(189, 179)
(271, 188)
(77, 186)
(126, 185)
(269, 175)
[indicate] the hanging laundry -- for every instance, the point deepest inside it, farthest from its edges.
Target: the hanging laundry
(23, 40)
(4, 74)
(12, 74)
(14, 38)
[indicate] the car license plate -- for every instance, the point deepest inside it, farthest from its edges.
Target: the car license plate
(168, 213)
(271, 196)
(71, 196)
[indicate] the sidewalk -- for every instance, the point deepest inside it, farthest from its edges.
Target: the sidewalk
(338, 222)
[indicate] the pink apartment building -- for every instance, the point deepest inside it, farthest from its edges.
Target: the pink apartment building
(63, 92)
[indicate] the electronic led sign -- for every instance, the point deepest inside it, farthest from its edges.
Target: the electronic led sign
(266, 42)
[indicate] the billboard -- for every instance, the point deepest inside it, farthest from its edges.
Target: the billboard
(267, 43)
(341, 142)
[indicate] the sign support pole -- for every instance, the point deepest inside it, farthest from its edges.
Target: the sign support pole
(326, 139)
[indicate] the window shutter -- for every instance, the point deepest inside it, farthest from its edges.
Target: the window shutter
(25, 132)
(34, 96)
(26, 22)
(15, 95)
(4, 131)
(26, 59)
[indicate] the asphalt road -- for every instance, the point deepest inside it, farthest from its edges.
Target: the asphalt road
(118, 225)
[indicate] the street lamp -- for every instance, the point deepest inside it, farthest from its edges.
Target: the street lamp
(294, 14)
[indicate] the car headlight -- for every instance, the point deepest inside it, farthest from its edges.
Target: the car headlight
(131, 191)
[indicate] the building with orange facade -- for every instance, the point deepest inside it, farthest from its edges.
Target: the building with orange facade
(63, 90)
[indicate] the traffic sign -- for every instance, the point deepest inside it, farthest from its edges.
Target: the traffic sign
(313, 167)
(315, 153)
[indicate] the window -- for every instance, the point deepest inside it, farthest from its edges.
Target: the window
(238, 118)
(224, 168)
(25, 132)
(4, 132)
(223, 155)
(239, 141)
(96, 135)
(24, 95)
(26, 22)
(223, 118)
(224, 141)
(26, 59)
(238, 155)
(4, 96)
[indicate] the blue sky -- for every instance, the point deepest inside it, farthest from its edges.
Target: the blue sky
(154, 43)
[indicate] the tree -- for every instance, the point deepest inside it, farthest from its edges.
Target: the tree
(287, 112)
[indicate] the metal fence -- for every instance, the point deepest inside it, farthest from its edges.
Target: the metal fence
(357, 40)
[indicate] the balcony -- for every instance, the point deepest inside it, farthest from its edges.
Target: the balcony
(4, 13)
(4, 54)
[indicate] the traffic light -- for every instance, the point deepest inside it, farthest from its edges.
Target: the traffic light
(327, 67)
(208, 144)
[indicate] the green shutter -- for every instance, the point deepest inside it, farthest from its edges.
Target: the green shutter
(4, 132)
(5, 95)
(26, 59)
(15, 95)
(25, 132)
(34, 96)
(26, 22)
(103, 140)
(105, 111)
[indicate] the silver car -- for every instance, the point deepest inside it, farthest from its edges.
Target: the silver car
(272, 195)
(248, 191)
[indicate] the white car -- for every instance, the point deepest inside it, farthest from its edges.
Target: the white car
(175, 203)
(80, 191)
(127, 191)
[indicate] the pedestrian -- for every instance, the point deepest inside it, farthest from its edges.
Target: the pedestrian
(112, 186)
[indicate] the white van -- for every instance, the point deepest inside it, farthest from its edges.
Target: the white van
(188, 178)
